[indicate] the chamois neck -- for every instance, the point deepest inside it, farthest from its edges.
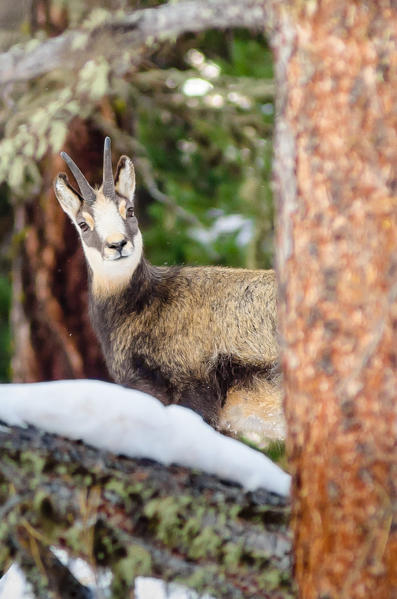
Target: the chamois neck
(147, 284)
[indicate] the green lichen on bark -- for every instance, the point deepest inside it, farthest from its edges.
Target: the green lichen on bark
(137, 517)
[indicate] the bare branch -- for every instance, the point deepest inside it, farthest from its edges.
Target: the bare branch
(140, 29)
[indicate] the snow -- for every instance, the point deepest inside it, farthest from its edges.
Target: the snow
(13, 585)
(196, 86)
(153, 588)
(132, 423)
(97, 580)
(225, 224)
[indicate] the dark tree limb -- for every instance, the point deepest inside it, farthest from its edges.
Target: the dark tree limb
(135, 31)
(34, 559)
(137, 516)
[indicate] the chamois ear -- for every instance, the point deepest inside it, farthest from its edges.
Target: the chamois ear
(125, 178)
(69, 199)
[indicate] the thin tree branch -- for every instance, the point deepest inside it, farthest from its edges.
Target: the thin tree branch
(137, 30)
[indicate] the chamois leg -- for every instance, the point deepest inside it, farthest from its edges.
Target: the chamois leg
(196, 395)
(203, 399)
(254, 412)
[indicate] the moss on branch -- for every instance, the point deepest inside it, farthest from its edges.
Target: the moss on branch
(137, 517)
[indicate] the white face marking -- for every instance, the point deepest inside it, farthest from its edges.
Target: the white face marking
(111, 276)
(108, 221)
(123, 209)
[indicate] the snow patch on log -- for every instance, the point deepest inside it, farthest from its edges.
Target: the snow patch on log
(13, 585)
(153, 588)
(132, 423)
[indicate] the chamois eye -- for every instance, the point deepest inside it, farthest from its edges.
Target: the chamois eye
(130, 211)
(83, 226)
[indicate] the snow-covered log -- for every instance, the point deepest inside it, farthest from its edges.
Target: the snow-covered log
(135, 424)
(136, 516)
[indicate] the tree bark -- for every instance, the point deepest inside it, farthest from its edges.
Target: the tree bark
(53, 338)
(336, 157)
(136, 517)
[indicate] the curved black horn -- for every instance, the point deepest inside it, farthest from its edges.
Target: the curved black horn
(108, 183)
(86, 190)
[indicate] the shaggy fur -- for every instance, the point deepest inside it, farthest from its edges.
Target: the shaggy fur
(187, 335)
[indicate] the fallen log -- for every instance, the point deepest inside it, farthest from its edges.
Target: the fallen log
(135, 517)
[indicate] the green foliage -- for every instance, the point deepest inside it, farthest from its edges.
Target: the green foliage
(276, 451)
(249, 57)
(212, 155)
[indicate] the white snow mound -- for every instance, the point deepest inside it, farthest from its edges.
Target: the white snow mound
(135, 424)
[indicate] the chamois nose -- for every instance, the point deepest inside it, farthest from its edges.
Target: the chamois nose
(117, 245)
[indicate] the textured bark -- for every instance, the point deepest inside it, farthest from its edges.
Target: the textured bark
(53, 338)
(136, 517)
(336, 157)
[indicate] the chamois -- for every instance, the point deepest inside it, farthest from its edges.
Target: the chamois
(202, 337)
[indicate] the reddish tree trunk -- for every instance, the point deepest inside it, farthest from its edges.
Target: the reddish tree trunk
(336, 170)
(52, 335)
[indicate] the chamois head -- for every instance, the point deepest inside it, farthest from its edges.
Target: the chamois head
(105, 220)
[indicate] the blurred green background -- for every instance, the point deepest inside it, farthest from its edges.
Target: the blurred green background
(196, 115)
